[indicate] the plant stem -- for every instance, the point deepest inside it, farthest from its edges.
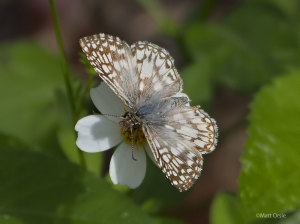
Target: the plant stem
(66, 73)
(62, 56)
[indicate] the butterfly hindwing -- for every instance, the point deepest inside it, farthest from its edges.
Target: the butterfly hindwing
(178, 140)
(197, 127)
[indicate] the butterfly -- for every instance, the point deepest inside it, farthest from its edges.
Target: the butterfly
(144, 77)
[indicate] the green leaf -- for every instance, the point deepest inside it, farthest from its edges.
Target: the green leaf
(289, 7)
(156, 193)
(67, 139)
(226, 209)
(29, 76)
(291, 218)
(169, 221)
(266, 34)
(247, 48)
(9, 220)
(269, 179)
(39, 188)
(198, 81)
(225, 57)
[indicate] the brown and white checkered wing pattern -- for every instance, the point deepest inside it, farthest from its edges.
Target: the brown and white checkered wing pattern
(178, 144)
(138, 73)
(157, 75)
(112, 60)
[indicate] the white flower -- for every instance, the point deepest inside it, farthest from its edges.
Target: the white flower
(97, 133)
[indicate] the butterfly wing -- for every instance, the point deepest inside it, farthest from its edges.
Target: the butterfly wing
(136, 74)
(178, 139)
(157, 75)
(112, 60)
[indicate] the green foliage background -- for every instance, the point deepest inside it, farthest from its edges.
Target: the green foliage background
(254, 51)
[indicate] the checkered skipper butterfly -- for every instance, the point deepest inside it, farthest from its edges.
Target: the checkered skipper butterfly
(144, 77)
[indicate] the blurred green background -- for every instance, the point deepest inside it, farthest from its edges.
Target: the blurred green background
(240, 60)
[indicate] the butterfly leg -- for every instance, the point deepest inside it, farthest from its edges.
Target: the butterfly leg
(132, 145)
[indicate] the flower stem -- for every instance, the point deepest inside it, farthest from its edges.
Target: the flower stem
(66, 73)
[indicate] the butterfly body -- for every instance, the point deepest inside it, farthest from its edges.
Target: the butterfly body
(130, 122)
(144, 77)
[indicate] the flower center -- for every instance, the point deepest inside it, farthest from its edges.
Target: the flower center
(131, 130)
(137, 137)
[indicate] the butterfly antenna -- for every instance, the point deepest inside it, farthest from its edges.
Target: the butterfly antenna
(132, 146)
(112, 115)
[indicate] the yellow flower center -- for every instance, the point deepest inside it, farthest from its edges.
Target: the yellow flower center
(137, 137)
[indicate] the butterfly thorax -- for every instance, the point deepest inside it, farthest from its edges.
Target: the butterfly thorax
(130, 122)
(131, 130)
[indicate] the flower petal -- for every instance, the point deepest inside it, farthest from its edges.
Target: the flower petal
(96, 133)
(149, 153)
(124, 170)
(107, 102)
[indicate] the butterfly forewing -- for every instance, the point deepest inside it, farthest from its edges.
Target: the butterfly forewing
(112, 60)
(157, 75)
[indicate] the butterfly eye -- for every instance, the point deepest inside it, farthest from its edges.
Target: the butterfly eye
(136, 126)
(125, 115)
